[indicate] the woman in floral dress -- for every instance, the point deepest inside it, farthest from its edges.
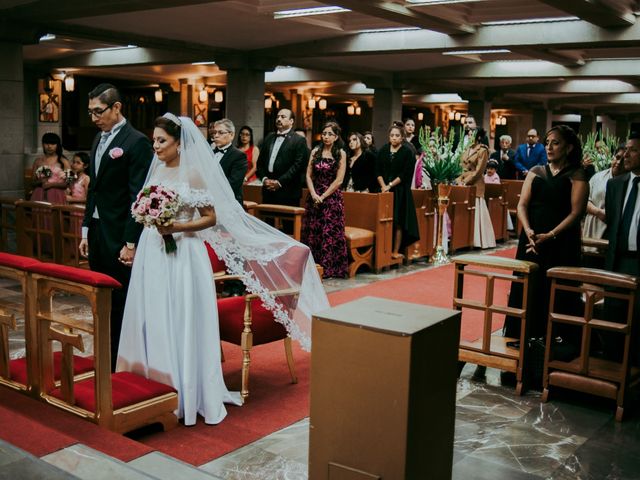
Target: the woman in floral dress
(323, 224)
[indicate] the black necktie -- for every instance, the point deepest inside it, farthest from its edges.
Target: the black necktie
(219, 150)
(529, 150)
(627, 216)
(281, 135)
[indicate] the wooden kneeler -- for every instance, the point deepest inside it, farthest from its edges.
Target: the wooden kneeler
(120, 402)
(589, 373)
(16, 374)
(492, 350)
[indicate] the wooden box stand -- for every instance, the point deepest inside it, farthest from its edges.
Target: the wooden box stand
(383, 391)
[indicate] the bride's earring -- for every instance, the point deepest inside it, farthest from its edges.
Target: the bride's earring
(179, 150)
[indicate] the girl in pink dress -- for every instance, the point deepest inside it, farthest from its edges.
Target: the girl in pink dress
(245, 143)
(77, 191)
(48, 174)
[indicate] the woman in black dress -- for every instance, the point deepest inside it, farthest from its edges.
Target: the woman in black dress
(361, 167)
(552, 204)
(394, 171)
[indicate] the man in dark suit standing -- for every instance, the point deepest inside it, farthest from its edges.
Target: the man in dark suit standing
(530, 154)
(622, 210)
(622, 213)
(282, 162)
(119, 162)
(232, 160)
(505, 158)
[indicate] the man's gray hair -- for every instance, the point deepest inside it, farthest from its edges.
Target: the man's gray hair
(227, 124)
(506, 137)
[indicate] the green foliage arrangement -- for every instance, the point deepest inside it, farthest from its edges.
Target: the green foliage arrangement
(603, 156)
(441, 161)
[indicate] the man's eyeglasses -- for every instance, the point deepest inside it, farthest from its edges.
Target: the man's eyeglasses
(98, 112)
(219, 132)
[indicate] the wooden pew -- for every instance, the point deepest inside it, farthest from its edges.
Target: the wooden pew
(8, 233)
(514, 187)
(283, 217)
(69, 233)
(494, 195)
(18, 373)
(462, 210)
(36, 230)
(371, 212)
(120, 402)
(252, 193)
(425, 211)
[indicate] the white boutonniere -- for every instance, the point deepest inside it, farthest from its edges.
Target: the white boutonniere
(116, 152)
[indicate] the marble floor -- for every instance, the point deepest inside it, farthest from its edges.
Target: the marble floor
(497, 436)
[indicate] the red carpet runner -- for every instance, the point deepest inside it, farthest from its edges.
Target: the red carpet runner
(274, 402)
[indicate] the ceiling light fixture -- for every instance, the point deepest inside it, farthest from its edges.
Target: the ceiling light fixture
(477, 52)
(47, 37)
(157, 95)
(69, 82)
(351, 109)
(218, 96)
(304, 12)
(524, 21)
(108, 49)
(420, 116)
(203, 96)
(203, 63)
(311, 103)
(322, 103)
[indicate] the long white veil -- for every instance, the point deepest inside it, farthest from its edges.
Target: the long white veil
(266, 260)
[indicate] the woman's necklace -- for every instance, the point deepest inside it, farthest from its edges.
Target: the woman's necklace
(554, 169)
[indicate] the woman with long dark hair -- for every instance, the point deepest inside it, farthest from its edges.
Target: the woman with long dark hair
(394, 171)
(49, 175)
(323, 223)
(552, 203)
(361, 165)
(245, 144)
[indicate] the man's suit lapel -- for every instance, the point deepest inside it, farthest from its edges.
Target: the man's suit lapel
(118, 141)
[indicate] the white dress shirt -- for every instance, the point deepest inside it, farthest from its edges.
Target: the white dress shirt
(276, 148)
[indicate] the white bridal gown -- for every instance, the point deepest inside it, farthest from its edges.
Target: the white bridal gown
(170, 328)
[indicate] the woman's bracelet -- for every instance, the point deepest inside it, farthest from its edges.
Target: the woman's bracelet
(553, 234)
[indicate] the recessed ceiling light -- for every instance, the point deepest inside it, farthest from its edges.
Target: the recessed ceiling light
(530, 20)
(106, 49)
(303, 12)
(476, 52)
(439, 2)
(203, 63)
(386, 30)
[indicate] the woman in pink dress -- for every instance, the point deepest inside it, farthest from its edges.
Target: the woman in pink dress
(245, 143)
(49, 172)
(77, 191)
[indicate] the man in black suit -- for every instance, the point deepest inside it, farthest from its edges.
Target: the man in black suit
(282, 163)
(506, 168)
(232, 160)
(119, 162)
(622, 213)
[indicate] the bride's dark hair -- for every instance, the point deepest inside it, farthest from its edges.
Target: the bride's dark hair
(169, 126)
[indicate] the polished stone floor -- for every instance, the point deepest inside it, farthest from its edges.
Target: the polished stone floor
(497, 435)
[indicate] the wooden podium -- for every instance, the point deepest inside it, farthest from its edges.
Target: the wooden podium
(383, 391)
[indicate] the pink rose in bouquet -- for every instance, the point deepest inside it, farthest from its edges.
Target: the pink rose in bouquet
(155, 206)
(116, 152)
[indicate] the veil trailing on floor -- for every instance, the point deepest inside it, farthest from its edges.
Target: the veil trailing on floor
(266, 260)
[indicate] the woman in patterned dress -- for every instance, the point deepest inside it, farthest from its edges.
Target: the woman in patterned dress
(323, 224)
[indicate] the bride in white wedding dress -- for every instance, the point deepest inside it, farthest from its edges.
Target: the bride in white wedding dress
(170, 327)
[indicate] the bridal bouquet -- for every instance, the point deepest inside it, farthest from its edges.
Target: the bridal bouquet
(156, 206)
(441, 160)
(600, 149)
(42, 172)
